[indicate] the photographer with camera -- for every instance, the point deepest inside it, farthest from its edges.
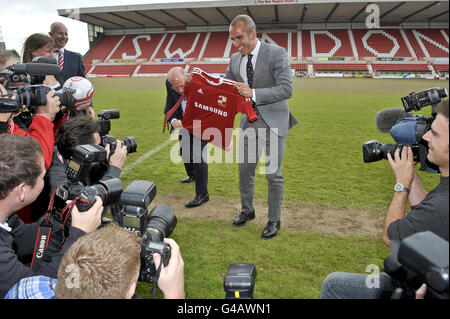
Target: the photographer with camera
(21, 180)
(429, 212)
(113, 255)
(41, 127)
(78, 131)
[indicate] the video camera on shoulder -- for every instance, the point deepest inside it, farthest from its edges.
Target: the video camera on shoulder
(104, 117)
(152, 226)
(407, 130)
(422, 258)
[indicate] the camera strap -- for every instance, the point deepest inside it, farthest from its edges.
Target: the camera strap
(158, 272)
(42, 240)
(45, 231)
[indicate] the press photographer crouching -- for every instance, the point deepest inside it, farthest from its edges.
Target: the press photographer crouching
(429, 212)
(21, 180)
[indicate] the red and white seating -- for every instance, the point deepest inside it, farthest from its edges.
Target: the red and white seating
(148, 69)
(429, 43)
(134, 47)
(400, 67)
(116, 70)
(340, 67)
(381, 43)
(156, 53)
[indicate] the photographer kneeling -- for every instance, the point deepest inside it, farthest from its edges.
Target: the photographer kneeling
(429, 212)
(21, 180)
(113, 255)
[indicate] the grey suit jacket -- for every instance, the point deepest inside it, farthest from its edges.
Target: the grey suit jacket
(273, 86)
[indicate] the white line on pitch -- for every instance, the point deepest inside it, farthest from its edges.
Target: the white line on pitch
(145, 156)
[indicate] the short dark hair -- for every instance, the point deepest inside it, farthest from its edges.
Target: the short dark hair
(20, 161)
(442, 108)
(5, 55)
(248, 22)
(75, 131)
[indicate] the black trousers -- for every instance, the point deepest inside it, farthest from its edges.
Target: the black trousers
(194, 156)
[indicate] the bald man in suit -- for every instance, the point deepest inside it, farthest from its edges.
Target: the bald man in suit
(71, 62)
(264, 73)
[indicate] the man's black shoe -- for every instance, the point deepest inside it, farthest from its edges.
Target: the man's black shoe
(270, 230)
(188, 179)
(243, 217)
(198, 200)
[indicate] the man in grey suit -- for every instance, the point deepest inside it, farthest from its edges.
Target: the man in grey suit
(263, 71)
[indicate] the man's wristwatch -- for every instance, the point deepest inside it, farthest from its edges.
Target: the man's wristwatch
(399, 187)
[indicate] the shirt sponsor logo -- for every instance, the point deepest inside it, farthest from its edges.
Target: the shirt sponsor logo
(211, 109)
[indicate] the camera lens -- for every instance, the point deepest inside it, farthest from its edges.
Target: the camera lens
(161, 222)
(108, 190)
(130, 143)
(371, 151)
(374, 151)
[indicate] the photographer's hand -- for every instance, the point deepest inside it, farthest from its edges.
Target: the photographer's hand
(49, 111)
(119, 156)
(403, 167)
(404, 171)
(420, 293)
(171, 278)
(88, 221)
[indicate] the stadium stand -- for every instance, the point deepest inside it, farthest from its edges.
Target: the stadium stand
(333, 48)
(210, 50)
(155, 69)
(400, 67)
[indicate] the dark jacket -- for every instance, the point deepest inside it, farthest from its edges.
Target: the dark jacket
(73, 65)
(171, 99)
(20, 241)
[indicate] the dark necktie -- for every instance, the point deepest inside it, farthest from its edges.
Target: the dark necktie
(250, 74)
(250, 70)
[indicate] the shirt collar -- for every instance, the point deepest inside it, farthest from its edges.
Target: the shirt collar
(256, 49)
(6, 227)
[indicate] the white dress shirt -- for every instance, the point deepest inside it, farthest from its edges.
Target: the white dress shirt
(243, 66)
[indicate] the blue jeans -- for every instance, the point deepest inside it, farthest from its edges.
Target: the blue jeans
(342, 285)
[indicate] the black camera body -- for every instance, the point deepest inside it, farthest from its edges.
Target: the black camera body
(153, 227)
(84, 159)
(409, 130)
(104, 117)
(415, 101)
(239, 282)
(148, 272)
(422, 258)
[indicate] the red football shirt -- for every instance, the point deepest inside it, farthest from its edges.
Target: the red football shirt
(211, 105)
